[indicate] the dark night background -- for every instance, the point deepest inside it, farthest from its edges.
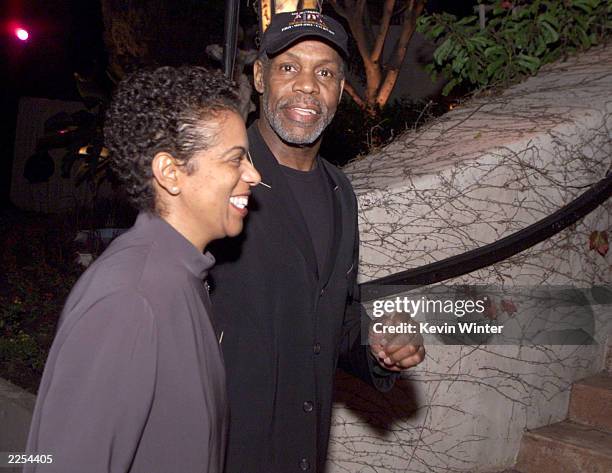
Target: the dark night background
(66, 37)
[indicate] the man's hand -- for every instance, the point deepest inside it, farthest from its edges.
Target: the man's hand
(395, 351)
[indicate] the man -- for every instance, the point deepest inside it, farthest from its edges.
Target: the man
(280, 293)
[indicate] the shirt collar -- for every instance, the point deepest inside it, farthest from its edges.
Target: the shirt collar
(174, 244)
(265, 160)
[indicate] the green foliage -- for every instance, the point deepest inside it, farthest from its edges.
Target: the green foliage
(38, 271)
(515, 42)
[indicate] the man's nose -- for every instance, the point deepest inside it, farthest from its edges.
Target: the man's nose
(306, 82)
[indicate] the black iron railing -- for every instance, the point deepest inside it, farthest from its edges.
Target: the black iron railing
(230, 36)
(494, 252)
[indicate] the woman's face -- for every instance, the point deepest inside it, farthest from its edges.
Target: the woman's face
(215, 193)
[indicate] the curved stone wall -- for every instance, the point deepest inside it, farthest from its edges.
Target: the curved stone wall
(483, 171)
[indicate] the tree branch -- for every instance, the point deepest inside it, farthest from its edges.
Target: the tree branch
(382, 33)
(349, 89)
(399, 51)
(361, 6)
(339, 9)
(354, 12)
(367, 26)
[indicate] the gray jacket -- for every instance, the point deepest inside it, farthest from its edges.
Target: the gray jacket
(135, 381)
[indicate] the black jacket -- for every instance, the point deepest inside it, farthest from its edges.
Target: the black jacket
(285, 327)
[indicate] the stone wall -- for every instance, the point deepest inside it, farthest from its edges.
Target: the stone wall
(484, 171)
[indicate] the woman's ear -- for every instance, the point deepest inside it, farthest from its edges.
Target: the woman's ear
(166, 171)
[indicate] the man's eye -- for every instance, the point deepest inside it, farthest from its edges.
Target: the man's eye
(326, 73)
(287, 68)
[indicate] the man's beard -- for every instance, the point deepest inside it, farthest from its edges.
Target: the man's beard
(275, 120)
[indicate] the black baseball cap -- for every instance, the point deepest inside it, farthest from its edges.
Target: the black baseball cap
(288, 28)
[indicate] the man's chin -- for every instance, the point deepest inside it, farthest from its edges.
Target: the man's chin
(297, 138)
(300, 142)
(296, 133)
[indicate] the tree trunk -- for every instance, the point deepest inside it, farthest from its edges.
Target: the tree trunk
(380, 79)
(399, 53)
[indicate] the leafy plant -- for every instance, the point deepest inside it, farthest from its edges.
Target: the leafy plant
(39, 268)
(519, 37)
(598, 241)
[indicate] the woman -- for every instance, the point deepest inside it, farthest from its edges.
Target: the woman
(135, 381)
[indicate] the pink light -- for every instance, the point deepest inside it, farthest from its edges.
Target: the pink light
(22, 34)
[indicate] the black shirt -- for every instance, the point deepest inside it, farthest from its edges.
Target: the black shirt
(311, 190)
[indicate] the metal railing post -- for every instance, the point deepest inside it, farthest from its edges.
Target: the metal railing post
(230, 36)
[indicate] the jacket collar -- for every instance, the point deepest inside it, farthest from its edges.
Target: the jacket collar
(174, 244)
(336, 225)
(281, 198)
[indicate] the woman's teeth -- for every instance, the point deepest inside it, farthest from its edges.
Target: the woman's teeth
(240, 201)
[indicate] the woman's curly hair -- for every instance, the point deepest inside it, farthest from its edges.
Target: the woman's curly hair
(165, 109)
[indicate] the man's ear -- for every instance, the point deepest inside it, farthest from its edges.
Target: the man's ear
(258, 76)
(341, 90)
(166, 172)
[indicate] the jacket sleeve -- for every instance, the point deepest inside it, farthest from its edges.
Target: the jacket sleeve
(97, 389)
(355, 357)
